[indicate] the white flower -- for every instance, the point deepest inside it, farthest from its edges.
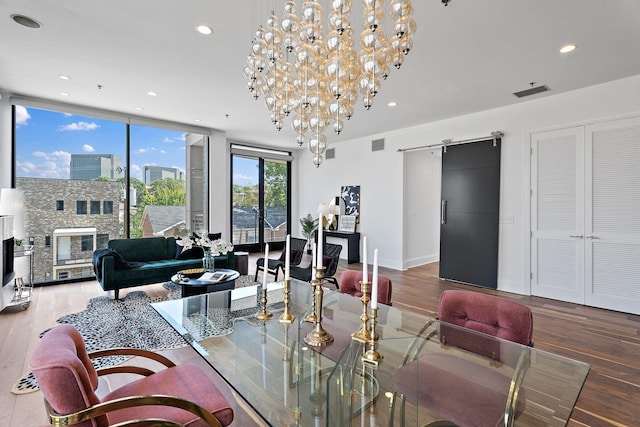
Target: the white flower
(216, 247)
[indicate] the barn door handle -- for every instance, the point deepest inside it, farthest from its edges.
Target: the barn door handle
(443, 213)
(590, 236)
(578, 236)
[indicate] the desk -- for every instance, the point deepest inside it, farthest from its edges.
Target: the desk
(289, 383)
(353, 243)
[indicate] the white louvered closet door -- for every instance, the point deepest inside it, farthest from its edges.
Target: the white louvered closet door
(557, 214)
(585, 215)
(612, 221)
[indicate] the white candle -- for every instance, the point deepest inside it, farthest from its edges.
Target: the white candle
(320, 262)
(313, 256)
(287, 258)
(374, 284)
(266, 265)
(365, 274)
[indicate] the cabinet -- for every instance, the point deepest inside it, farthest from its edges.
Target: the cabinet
(353, 243)
(585, 227)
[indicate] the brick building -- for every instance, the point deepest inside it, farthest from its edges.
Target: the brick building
(66, 220)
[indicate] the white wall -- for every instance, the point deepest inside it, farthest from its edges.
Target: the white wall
(5, 142)
(219, 184)
(422, 186)
(381, 174)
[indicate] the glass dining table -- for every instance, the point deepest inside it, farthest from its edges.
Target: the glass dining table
(289, 383)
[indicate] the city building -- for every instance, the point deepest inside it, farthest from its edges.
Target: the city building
(87, 167)
(154, 173)
(64, 229)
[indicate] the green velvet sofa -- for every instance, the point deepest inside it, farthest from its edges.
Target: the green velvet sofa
(156, 259)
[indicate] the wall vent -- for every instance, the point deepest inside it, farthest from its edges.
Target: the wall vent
(330, 153)
(532, 91)
(377, 145)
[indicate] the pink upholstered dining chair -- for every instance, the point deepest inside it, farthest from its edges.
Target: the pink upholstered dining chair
(179, 395)
(350, 284)
(462, 391)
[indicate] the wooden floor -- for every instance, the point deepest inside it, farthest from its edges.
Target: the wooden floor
(609, 341)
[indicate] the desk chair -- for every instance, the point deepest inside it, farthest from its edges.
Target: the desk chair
(349, 283)
(331, 259)
(458, 389)
(275, 265)
(177, 395)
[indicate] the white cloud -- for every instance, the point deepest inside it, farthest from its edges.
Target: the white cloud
(241, 177)
(163, 152)
(54, 165)
(136, 172)
(141, 150)
(87, 148)
(22, 116)
(78, 126)
(167, 140)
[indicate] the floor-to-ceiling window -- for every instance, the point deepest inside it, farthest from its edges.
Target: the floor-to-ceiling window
(260, 197)
(88, 178)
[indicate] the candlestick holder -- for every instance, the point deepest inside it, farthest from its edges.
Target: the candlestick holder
(372, 356)
(286, 317)
(312, 316)
(263, 315)
(362, 334)
(318, 337)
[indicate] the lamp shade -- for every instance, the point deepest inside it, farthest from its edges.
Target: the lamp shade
(12, 203)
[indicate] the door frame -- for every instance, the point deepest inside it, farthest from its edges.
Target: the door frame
(262, 156)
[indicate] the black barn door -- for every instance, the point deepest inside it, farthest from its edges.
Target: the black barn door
(470, 213)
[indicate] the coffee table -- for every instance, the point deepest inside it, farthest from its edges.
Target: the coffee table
(195, 286)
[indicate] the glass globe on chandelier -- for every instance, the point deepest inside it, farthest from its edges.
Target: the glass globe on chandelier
(316, 77)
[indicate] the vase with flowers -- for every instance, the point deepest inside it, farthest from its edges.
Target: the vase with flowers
(211, 248)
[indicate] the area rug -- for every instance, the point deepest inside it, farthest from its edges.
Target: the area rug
(128, 322)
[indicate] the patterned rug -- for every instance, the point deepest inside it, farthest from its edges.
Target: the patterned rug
(101, 325)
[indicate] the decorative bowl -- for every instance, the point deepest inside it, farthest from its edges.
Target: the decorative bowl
(192, 273)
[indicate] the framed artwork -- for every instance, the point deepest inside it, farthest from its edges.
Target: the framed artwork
(347, 223)
(350, 194)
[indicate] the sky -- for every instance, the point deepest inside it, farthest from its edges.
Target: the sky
(45, 141)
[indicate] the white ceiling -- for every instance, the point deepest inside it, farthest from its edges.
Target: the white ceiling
(468, 56)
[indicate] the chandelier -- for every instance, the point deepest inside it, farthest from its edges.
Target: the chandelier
(316, 77)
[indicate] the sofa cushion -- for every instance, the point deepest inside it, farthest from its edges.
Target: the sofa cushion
(143, 249)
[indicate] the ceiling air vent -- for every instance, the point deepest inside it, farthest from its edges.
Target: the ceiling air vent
(377, 145)
(532, 91)
(330, 153)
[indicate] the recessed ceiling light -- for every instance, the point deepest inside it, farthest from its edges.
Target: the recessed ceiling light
(152, 93)
(197, 120)
(139, 108)
(204, 29)
(568, 48)
(63, 77)
(64, 94)
(392, 104)
(25, 21)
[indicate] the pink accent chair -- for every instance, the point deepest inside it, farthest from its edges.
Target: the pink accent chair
(463, 391)
(350, 284)
(180, 395)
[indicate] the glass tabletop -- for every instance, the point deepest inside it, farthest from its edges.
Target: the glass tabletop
(288, 382)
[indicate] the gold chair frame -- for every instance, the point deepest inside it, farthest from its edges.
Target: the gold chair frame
(128, 402)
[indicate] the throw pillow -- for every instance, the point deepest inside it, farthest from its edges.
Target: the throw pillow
(194, 252)
(293, 255)
(327, 262)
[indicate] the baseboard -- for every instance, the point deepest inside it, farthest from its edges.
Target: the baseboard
(414, 262)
